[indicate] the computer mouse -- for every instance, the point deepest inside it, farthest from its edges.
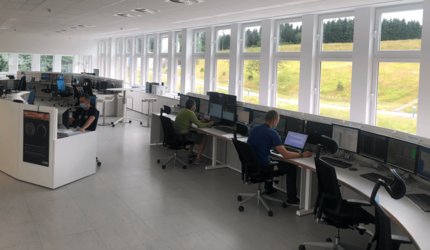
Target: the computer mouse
(352, 169)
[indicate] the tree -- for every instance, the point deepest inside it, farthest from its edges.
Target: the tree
(4, 62)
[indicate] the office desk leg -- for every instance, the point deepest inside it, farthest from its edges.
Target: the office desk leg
(214, 154)
(305, 193)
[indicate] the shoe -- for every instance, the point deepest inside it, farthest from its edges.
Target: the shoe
(191, 156)
(295, 202)
(198, 161)
(271, 191)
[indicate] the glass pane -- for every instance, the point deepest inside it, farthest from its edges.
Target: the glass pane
(253, 39)
(335, 87)
(87, 63)
(287, 92)
(150, 69)
(118, 46)
(398, 96)
(118, 68)
(128, 70)
(178, 75)
(164, 68)
(179, 43)
(24, 62)
(4, 62)
(338, 34)
(401, 30)
(67, 64)
(138, 71)
(165, 44)
(151, 45)
(138, 45)
(200, 41)
(199, 77)
(103, 47)
(46, 63)
(127, 46)
(290, 36)
(222, 78)
(223, 41)
(251, 81)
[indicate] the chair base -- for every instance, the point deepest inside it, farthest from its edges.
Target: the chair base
(328, 244)
(99, 163)
(260, 199)
(175, 158)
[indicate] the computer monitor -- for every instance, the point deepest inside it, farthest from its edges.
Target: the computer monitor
(346, 137)
(77, 79)
(45, 76)
(215, 110)
(229, 100)
(103, 85)
(282, 125)
(52, 77)
(1, 89)
(295, 125)
(402, 155)
(58, 76)
(424, 163)
(216, 98)
(197, 101)
(258, 117)
(372, 146)
(229, 113)
(63, 117)
(204, 106)
(296, 140)
(316, 129)
(243, 115)
(183, 100)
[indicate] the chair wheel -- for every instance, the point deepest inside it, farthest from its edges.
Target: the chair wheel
(328, 240)
(284, 205)
(140, 123)
(158, 161)
(239, 198)
(129, 121)
(184, 167)
(241, 208)
(302, 247)
(163, 167)
(270, 213)
(99, 164)
(113, 126)
(111, 123)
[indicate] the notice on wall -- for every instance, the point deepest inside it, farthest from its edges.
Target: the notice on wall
(36, 138)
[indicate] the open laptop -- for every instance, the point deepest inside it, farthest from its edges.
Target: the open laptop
(295, 142)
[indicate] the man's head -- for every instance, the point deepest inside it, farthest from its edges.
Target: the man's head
(190, 104)
(85, 101)
(272, 118)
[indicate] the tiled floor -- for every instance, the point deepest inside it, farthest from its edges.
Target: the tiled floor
(131, 203)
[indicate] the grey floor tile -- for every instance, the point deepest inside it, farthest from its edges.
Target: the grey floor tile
(22, 237)
(138, 194)
(35, 193)
(89, 185)
(119, 183)
(159, 245)
(87, 240)
(173, 225)
(29, 246)
(12, 198)
(204, 240)
(59, 207)
(14, 219)
(111, 216)
(92, 202)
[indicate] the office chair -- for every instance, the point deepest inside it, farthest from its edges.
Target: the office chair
(254, 172)
(173, 141)
(63, 92)
(31, 97)
(49, 89)
(30, 86)
(93, 101)
(22, 84)
(96, 115)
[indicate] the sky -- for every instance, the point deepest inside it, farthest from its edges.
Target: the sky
(413, 15)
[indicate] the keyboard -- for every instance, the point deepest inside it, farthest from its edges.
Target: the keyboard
(373, 177)
(336, 163)
(421, 200)
(227, 130)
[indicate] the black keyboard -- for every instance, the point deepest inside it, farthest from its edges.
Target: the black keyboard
(336, 163)
(227, 130)
(374, 177)
(421, 200)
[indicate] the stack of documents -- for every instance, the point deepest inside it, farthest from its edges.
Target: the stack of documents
(62, 133)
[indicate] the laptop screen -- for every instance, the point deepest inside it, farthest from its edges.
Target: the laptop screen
(296, 140)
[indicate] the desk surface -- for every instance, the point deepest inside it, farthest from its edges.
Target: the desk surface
(120, 89)
(17, 96)
(414, 222)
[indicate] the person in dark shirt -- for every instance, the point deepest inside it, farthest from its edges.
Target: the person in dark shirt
(263, 138)
(85, 114)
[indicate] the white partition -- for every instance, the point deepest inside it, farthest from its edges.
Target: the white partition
(9, 141)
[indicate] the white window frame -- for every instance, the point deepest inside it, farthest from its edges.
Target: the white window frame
(242, 72)
(136, 69)
(242, 39)
(177, 56)
(161, 45)
(194, 41)
(137, 52)
(147, 68)
(147, 44)
(276, 37)
(73, 63)
(128, 43)
(161, 69)
(118, 47)
(216, 53)
(219, 56)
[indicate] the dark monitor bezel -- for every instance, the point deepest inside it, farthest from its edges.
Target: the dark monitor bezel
(419, 156)
(44, 74)
(234, 115)
(297, 119)
(228, 97)
(319, 138)
(200, 103)
(101, 84)
(180, 97)
(370, 157)
(252, 115)
(210, 114)
(249, 117)
(211, 94)
(416, 158)
(304, 145)
(358, 136)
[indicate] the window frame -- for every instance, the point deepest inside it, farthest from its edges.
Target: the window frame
(53, 61)
(128, 45)
(136, 38)
(161, 45)
(176, 56)
(73, 63)
(277, 24)
(160, 69)
(147, 68)
(242, 39)
(216, 53)
(177, 42)
(241, 75)
(119, 47)
(194, 41)
(147, 44)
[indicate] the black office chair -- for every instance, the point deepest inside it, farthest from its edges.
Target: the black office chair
(173, 141)
(49, 90)
(253, 172)
(22, 84)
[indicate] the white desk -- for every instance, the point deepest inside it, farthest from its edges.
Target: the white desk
(124, 107)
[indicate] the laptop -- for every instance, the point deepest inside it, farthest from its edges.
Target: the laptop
(295, 142)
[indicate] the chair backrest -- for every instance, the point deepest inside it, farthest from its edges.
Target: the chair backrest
(61, 86)
(328, 186)
(93, 100)
(22, 84)
(382, 229)
(247, 158)
(31, 97)
(96, 115)
(169, 131)
(88, 90)
(30, 86)
(397, 189)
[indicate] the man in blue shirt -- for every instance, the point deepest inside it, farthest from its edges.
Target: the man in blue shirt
(263, 138)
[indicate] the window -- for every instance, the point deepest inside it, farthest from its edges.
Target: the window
(127, 45)
(118, 46)
(67, 64)
(252, 41)
(151, 44)
(4, 62)
(128, 70)
(401, 30)
(287, 86)
(397, 103)
(199, 42)
(199, 76)
(138, 71)
(223, 41)
(87, 63)
(138, 45)
(222, 78)
(24, 62)
(178, 75)
(102, 47)
(46, 62)
(165, 44)
(118, 68)
(150, 69)
(178, 43)
(164, 69)
(289, 37)
(251, 81)
(338, 34)
(335, 89)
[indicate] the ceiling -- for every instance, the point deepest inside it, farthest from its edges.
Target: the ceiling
(61, 17)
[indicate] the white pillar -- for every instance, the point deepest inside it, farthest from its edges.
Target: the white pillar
(234, 73)
(209, 60)
(266, 62)
(157, 48)
(171, 61)
(187, 60)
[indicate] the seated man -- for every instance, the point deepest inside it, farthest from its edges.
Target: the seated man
(85, 114)
(264, 137)
(183, 124)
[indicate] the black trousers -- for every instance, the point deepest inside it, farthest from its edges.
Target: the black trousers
(291, 171)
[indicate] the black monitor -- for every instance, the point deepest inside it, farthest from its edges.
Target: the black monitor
(373, 146)
(103, 85)
(229, 113)
(316, 129)
(229, 100)
(402, 155)
(183, 100)
(1, 89)
(77, 79)
(204, 106)
(58, 76)
(45, 76)
(53, 77)
(197, 101)
(346, 137)
(424, 163)
(215, 110)
(282, 125)
(258, 117)
(63, 117)
(243, 115)
(150, 87)
(295, 125)
(216, 98)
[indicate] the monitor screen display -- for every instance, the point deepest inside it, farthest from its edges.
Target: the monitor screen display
(183, 100)
(215, 97)
(243, 115)
(424, 163)
(281, 125)
(204, 106)
(103, 85)
(229, 100)
(296, 140)
(372, 146)
(215, 110)
(258, 117)
(403, 155)
(295, 125)
(316, 129)
(45, 76)
(346, 138)
(229, 113)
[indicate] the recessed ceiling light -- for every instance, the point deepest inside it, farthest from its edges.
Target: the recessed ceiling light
(49, 10)
(187, 2)
(123, 15)
(142, 10)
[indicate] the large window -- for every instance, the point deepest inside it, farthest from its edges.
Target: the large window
(138, 45)
(118, 68)
(127, 45)
(199, 76)
(199, 42)
(289, 36)
(151, 44)
(46, 62)
(178, 75)
(128, 70)
(252, 41)
(222, 75)
(138, 71)
(118, 46)
(164, 44)
(4, 62)
(24, 62)
(67, 64)
(251, 81)
(398, 96)
(150, 69)
(338, 34)
(401, 30)
(164, 70)
(287, 86)
(178, 43)
(223, 41)
(335, 89)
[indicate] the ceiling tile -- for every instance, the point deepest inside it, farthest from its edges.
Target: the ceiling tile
(13, 5)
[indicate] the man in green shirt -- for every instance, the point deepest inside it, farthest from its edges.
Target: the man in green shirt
(183, 123)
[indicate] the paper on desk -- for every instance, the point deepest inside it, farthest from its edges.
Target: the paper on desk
(230, 136)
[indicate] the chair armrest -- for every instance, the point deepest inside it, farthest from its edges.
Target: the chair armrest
(271, 163)
(359, 202)
(401, 239)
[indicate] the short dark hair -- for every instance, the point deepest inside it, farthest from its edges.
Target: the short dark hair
(86, 96)
(271, 115)
(189, 103)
